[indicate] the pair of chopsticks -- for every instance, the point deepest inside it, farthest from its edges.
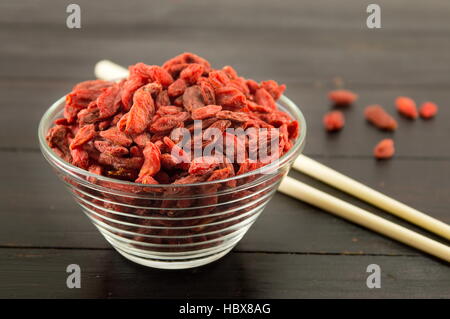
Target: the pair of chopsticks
(108, 70)
(310, 195)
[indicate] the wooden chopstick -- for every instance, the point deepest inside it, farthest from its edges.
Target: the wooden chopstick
(329, 176)
(108, 70)
(310, 195)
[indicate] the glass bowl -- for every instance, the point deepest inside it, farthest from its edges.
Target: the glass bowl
(172, 226)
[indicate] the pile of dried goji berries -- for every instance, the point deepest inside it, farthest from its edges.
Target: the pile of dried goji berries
(123, 129)
(378, 116)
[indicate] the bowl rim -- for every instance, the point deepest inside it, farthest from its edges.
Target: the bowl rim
(293, 110)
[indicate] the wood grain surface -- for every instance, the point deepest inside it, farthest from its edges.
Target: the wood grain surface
(293, 250)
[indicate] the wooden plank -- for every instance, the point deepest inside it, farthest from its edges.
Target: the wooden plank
(289, 41)
(35, 202)
(26, 101)
(31, 273)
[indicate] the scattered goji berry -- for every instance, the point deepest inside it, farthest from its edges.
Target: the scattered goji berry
(428, 110)
(342, 97)
(384, 149)
(334, 121)
(406, 106)
(376, 115)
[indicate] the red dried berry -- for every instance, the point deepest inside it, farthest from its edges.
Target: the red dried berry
(428, 110)
(80, 157)
(84, 135)
(376, 115)
(342, 97)
(152, 163)
(333, 121)
(204, 112)
(192, 98)
(151, 73)
(203, 165)
(110, 148)
(406, 106)
(109, 101)
(273, 88)
(129, 87)
(262, 97)
(177, 88)
(162, 99)
(192, 73)
(116, 136)
(218, 79)
(384, 149)
(233, 116)
(230, 97)
(141, 112)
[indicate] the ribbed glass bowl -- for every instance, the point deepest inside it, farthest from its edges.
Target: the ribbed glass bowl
(172, 226)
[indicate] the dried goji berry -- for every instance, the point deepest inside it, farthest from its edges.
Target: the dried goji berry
(252, 85)
(82, 95)
(162, 99)
(230, 98)
(110, 148)
(218, 79)
(334, 121)
(205, 112)
(293, 129)
(129, 87)
(376, 115)
(342, 97)
(230, 71)
(192, 98)
(273, 88)
(84, 135)
(203, 165)
(168, 122)
(120, 162)
(142, 139)
(428, 110)
(177, 88)
(58, 138)
(262, 97)
(192, 73)
(109, 101)
(207, 92)
(152, 163)
(114, 135)
(406, 106)
(151, 73)
(233, 116)
(141, 112)
(384, 149)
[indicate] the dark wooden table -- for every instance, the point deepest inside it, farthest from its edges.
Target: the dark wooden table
(293, 250)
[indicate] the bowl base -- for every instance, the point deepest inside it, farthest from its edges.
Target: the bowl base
(173, 264)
